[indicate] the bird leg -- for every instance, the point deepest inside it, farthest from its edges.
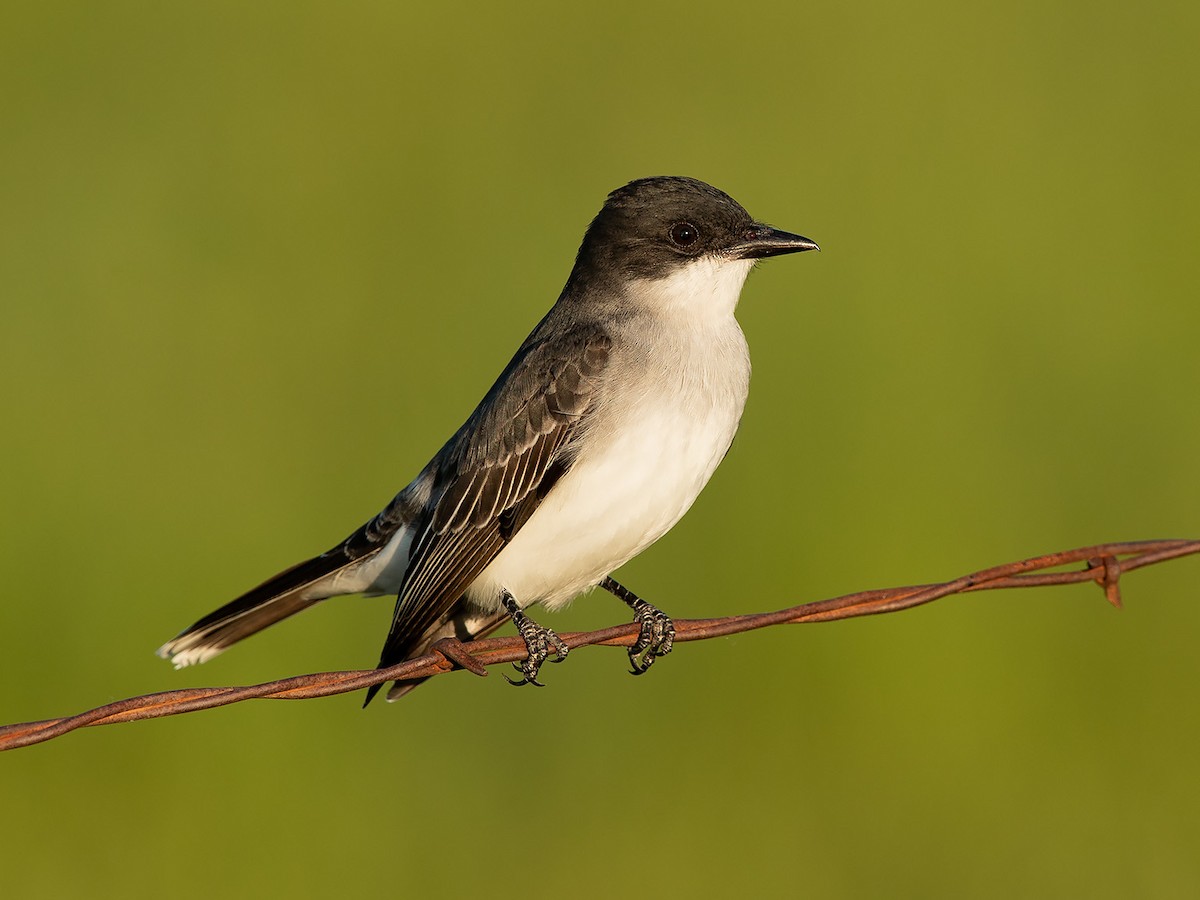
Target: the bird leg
(657, 636)
(539, 641)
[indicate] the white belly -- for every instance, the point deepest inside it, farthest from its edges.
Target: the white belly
(639, 473)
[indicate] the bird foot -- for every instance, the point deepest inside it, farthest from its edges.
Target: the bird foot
(657, 636)
(539, 643)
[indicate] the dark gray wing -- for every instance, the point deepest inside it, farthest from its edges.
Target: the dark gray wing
(494, 473)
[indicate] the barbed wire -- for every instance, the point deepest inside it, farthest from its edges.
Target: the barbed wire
(1103, 564)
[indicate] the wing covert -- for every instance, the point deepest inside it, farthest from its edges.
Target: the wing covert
(495, 471)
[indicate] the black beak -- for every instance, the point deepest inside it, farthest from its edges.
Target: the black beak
(762, 240)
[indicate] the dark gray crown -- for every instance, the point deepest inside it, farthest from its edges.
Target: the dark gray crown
(638, 234)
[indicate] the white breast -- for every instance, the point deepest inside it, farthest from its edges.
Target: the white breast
(673, 398)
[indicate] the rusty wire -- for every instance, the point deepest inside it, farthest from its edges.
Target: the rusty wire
(1103, 565)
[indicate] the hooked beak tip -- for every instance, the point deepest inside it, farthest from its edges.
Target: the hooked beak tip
(764, 241)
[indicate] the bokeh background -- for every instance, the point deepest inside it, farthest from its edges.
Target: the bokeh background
(258, 260)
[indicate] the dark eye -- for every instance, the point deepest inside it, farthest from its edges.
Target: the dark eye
(684, 234)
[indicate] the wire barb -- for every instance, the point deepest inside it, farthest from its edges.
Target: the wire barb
(458, 654)
(1108, 577)
(1103, 565)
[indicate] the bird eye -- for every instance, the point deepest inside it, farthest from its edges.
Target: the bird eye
(684, 234)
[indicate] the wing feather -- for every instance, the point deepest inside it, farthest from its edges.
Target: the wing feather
(491, 473)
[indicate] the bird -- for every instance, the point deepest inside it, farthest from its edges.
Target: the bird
(592, 443)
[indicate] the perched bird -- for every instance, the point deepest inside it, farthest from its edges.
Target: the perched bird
(594, 441)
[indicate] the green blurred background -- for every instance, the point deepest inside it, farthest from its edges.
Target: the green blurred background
(258, 260)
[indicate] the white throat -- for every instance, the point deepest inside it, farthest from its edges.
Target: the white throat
(705, 287)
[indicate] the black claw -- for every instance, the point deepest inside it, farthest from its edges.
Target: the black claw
(524, 680)
(643, 667)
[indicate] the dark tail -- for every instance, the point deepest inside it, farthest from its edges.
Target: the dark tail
(286, 594)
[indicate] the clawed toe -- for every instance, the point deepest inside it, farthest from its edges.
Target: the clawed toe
(526, 676)
(657, 635)
(656, 638)
(540, 642)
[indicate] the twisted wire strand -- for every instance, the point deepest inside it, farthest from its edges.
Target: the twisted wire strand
(1103, 564)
